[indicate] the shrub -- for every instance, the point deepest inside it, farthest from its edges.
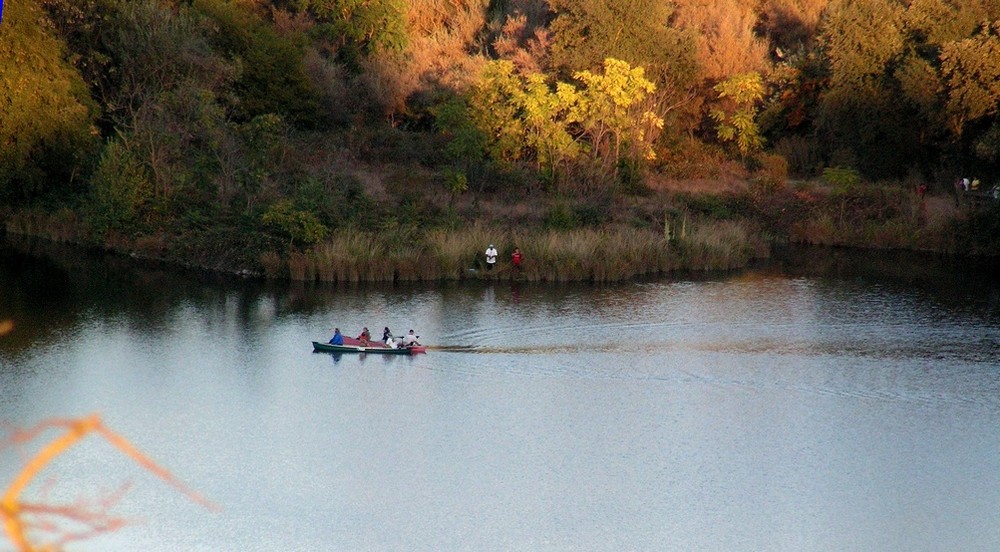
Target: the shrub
(119, 188)
(842, 179)
(301, 227)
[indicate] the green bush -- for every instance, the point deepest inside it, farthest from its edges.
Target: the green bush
(842, 179)
(119, 188)
(300, 227)
(561, 217)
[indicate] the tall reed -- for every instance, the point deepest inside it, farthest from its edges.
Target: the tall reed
(596, 255)
(721, 245)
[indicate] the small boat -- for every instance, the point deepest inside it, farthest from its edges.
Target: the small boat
(376, 347)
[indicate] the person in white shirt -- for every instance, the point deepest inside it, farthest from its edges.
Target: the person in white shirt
(491, 257)
(410, 339)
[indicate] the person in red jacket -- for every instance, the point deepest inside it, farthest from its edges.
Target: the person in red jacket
(516, 259)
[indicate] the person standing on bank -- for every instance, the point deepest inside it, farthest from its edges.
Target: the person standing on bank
(516, 259)
(491, 257)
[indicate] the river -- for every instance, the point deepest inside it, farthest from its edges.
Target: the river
(826, 400)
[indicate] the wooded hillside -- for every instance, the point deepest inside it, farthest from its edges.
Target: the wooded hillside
(159, 117)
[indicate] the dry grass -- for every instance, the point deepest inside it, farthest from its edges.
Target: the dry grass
(722, 245)
(596, 255)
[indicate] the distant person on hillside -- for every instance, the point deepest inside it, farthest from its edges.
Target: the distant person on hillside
(491, 257)
(338, 338)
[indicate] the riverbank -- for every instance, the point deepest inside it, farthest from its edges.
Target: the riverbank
(665, 231)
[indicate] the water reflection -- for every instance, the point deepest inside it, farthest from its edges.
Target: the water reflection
(817, 402)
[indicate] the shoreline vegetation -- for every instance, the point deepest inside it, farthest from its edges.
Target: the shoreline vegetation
(335, 141)
(680, 232)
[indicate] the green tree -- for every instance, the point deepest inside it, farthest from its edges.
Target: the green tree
(46, 125)
(131, 52)
(358, 28)
(272, 77)
(586, 32)
(299, 226)
(495, 107)
(119, 189)
(466, 143)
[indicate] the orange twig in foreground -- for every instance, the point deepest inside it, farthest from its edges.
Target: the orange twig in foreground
(13, 510)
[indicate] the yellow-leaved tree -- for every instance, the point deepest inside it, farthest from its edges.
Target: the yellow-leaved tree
(527, 119)
(613, 112)
(739, 97)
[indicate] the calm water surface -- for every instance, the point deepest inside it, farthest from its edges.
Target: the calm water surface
(827, 401)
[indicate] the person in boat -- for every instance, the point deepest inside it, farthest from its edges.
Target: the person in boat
(410, 339)
(338, 338)
(365, 337)
(386, 334)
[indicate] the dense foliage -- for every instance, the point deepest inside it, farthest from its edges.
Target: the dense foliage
(284, 120)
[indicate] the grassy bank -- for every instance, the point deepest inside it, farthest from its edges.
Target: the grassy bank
(665, 231)
(596, 255)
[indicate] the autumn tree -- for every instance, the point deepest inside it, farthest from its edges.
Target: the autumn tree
(526, 119)
(726, 38)
(790, 24)
(46, 126)
(614, 115)
(736, 112)
(971, 73)
(639, 32)
(860, 117)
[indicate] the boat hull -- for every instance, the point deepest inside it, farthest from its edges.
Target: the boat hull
(373, 348)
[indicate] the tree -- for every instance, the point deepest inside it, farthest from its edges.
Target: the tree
(272, 77)
(524, 118)
(299, 226)
(861, 119)
(47, 124)
(725, 31)
(861, 38)
(971, 73)
(119, 188)
(586, 32)
(495, 107)
(736, 116)
(613, 114)
(466, 145)
(358, 28)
